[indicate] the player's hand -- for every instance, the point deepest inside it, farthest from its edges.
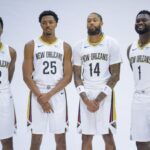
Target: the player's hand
(43, 98)
(92, 106)
(47, 108)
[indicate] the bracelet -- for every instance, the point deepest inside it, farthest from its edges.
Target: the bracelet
(107, 90)
(80, 89)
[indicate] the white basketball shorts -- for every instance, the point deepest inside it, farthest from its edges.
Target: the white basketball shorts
(7, 117)
(56, 122)
(140, 117)
(99, 122)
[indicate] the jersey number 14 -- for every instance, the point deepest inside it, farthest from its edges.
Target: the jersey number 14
(94, 69)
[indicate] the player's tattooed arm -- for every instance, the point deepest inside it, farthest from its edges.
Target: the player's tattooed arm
(115, 75)
(78, 81)
(114, 78)
(91, 105)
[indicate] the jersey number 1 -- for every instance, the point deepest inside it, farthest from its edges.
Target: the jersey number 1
(139, 68)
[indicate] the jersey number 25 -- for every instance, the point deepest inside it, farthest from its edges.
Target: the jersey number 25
(49, 67)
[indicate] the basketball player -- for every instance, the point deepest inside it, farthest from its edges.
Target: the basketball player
(47, 69)
(96, 71)
(139, 57)
(7, 119)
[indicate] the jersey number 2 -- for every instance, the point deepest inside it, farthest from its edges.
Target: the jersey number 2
(0, 76)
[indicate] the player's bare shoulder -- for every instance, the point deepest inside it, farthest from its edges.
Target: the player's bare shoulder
(29, 49)
(67, 48)
(29, 45)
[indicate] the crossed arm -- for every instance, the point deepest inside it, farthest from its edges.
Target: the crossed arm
(94, 105)
(114, 78)
(28, 68)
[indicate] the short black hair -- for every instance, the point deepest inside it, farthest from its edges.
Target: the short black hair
(48, 13)
(144, 12)
(100, 17)
(1, 22)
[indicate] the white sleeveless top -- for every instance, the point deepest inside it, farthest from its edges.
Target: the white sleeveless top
(140, 62)
(48, 62)
(96, 59)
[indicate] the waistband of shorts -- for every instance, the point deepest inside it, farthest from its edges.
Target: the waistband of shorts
(94, 86)
(4, 90)
(144, 91)
(45, 86)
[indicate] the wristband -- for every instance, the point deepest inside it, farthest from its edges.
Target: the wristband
(80, 89)
(107, 90)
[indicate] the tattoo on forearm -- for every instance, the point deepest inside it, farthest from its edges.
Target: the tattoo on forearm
(115, 72)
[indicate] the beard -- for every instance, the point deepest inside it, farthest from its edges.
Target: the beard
(96, 31)
(143, 31)
(47, 33)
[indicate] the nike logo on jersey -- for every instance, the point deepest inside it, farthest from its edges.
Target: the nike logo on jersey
(56, 46)
(146, 48)
(39, 46)
(134, 49)
(86, 46)
(62, 93)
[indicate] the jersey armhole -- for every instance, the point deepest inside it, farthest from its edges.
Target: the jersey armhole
(128, 50)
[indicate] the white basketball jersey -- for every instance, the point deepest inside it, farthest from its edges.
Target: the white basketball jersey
(5, 60)
(96, 59)
(140, 62)
(48, 62)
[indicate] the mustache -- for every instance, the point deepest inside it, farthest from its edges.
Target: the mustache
(48, 28)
